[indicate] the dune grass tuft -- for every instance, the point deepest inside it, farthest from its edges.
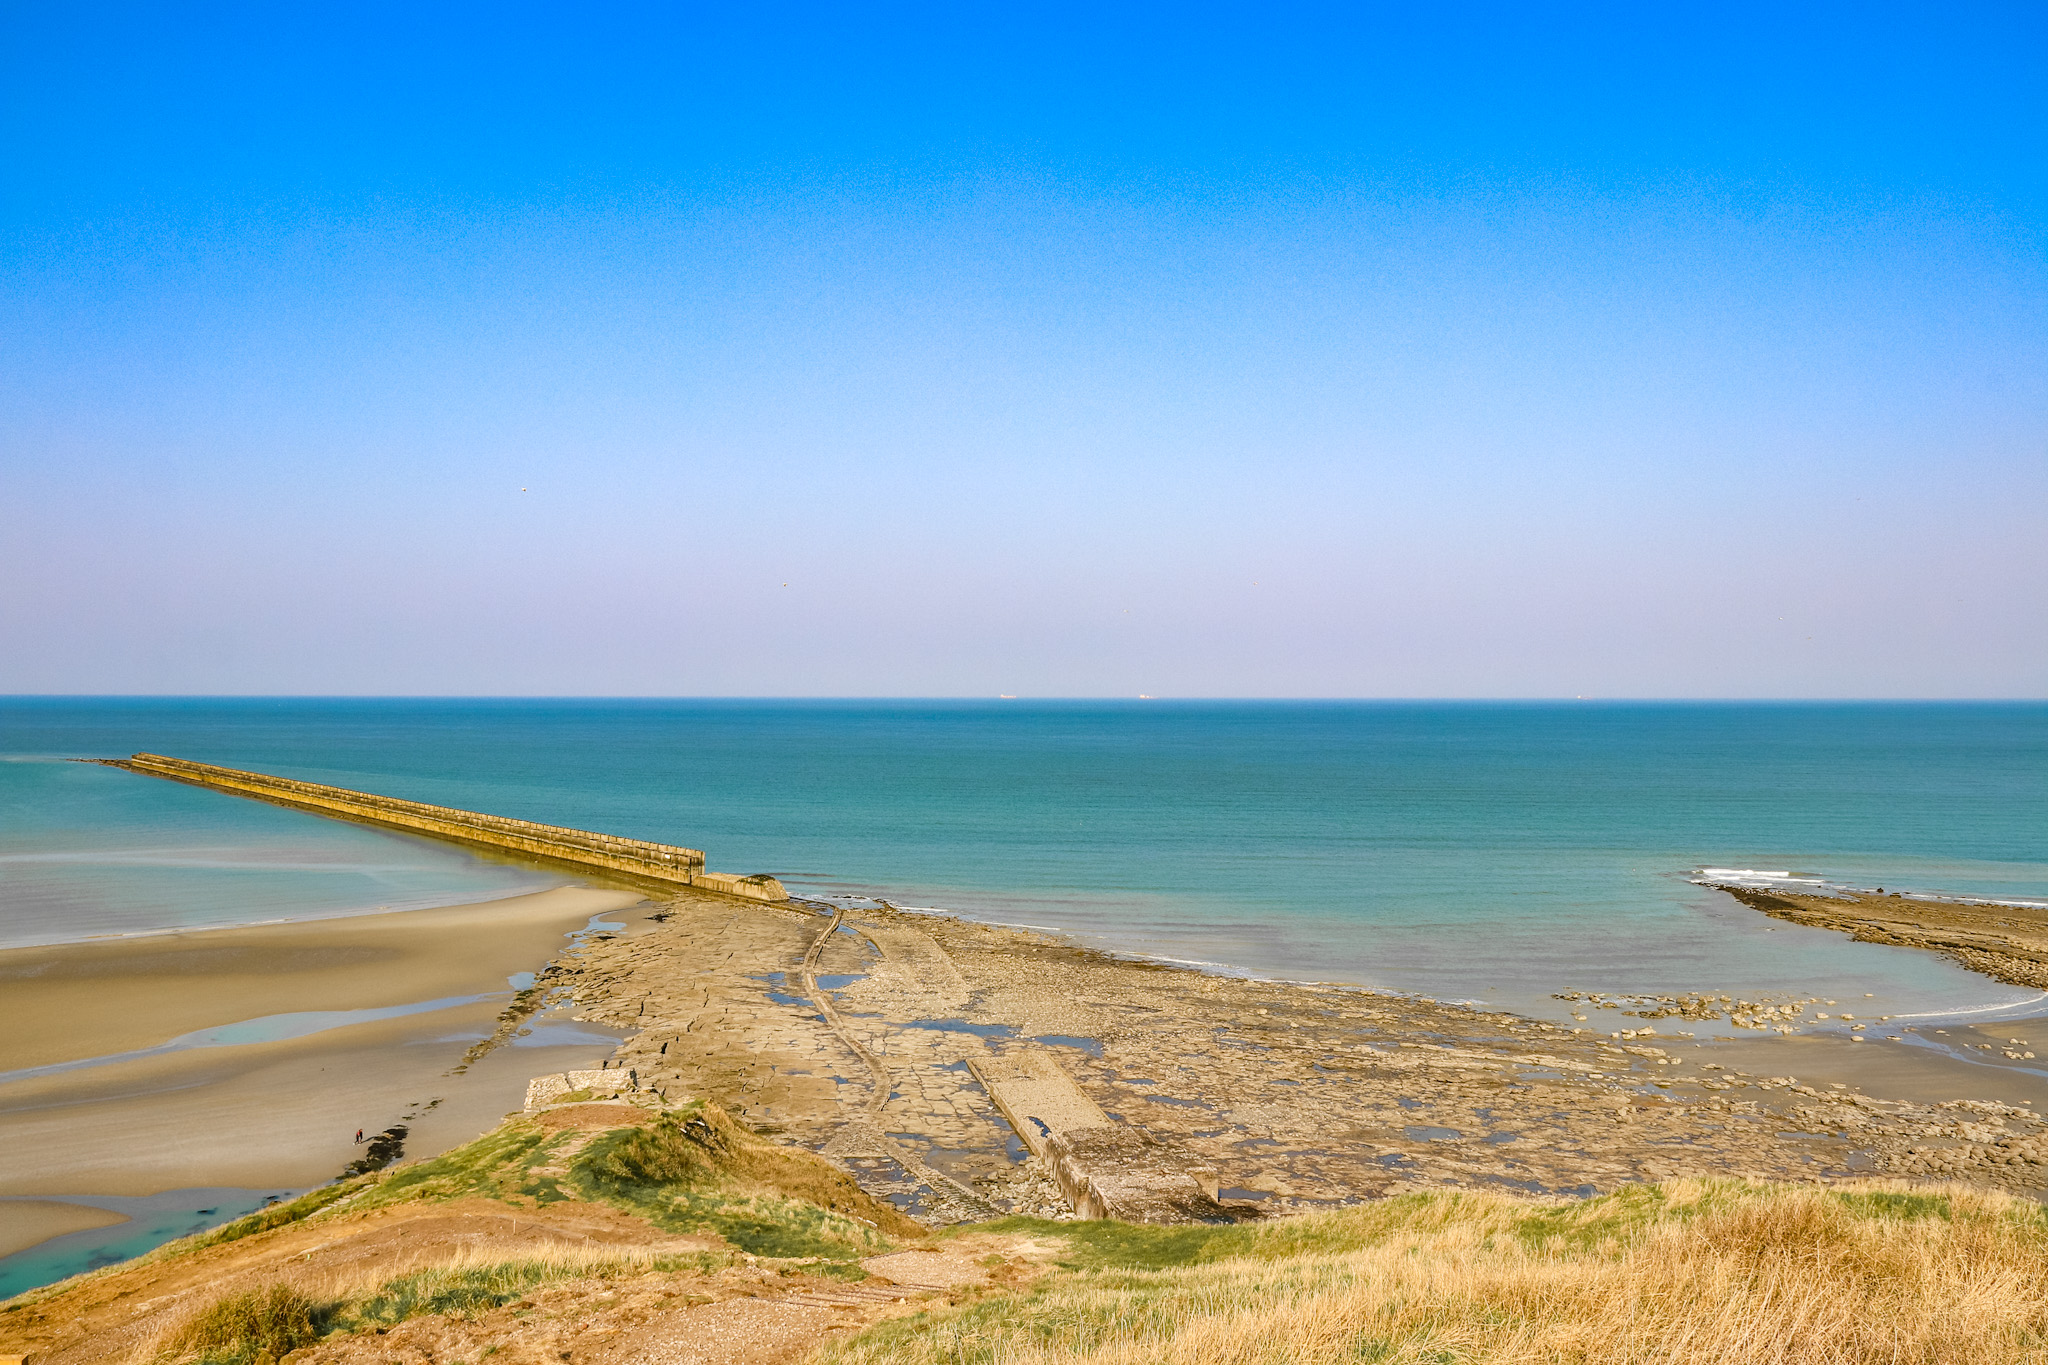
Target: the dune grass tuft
(687, 1170)
(243, 1327)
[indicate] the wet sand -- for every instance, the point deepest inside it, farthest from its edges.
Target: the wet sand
(25, 1223)
(278, 1113)
(76, 1000)
(266, 1115)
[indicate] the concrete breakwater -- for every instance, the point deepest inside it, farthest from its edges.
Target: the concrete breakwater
(582, 848)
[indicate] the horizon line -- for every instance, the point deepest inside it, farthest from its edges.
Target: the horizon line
(1079, 698)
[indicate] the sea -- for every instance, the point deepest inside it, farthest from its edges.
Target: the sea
(1489, 852)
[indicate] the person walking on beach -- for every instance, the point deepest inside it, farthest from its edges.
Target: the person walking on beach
(359, 1137)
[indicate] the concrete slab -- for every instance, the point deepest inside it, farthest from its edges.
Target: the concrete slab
(1036, 1096)
(1105, 1169)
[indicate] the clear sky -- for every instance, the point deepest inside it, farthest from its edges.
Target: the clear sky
(1409, 350)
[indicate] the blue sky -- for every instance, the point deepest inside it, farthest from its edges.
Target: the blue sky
(1477, 351)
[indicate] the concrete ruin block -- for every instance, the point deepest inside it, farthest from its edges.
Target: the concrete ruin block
(1103, 1168)
(754, 888)
(1116, 1171)
(543, 1091)
(1036, 1095)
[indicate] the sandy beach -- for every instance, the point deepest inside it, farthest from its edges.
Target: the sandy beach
(30, 1222)
(280, 1113)
(267, 1115)
(77, 1000)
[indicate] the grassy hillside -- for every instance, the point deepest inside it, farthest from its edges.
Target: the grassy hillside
(600, 1229)
(690, 1170)
(590, 1194)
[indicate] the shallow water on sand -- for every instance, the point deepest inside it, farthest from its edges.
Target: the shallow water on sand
(268, 1028)
(87, 851)
(1467, 851)
(151, 1220)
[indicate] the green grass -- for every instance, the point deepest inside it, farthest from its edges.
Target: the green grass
(460, 1292)
(499, 1165)
(276, 1216)
(690, 1172)
(1690, 1272)
(1105, 1245)
(1893, 1205)
(1114, 1305)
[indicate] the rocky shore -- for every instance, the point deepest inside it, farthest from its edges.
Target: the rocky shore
(868, 1036)
(2004, 942)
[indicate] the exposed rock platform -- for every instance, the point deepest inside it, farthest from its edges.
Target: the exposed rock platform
(897, 1044)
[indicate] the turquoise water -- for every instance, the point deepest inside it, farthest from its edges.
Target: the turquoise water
(86, 850)
(152, 1220)
(1468, 851)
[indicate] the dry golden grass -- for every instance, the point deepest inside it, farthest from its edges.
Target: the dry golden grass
(1717, 1273)
(271, 1322)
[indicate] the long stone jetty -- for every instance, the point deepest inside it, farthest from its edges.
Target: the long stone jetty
(581, 848)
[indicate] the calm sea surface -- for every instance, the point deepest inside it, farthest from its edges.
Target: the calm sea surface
(1468, 851)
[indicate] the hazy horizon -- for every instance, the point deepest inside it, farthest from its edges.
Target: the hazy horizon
(1312, 353)
(1012, 696)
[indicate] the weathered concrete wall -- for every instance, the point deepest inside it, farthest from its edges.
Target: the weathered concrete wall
(605, 1083)
(758, 888)
(1104, 1168)
(662, 862)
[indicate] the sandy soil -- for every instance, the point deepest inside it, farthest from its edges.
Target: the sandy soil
(31, 1222)
(76, 1000)
(122, 1310)
(744, 1314)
